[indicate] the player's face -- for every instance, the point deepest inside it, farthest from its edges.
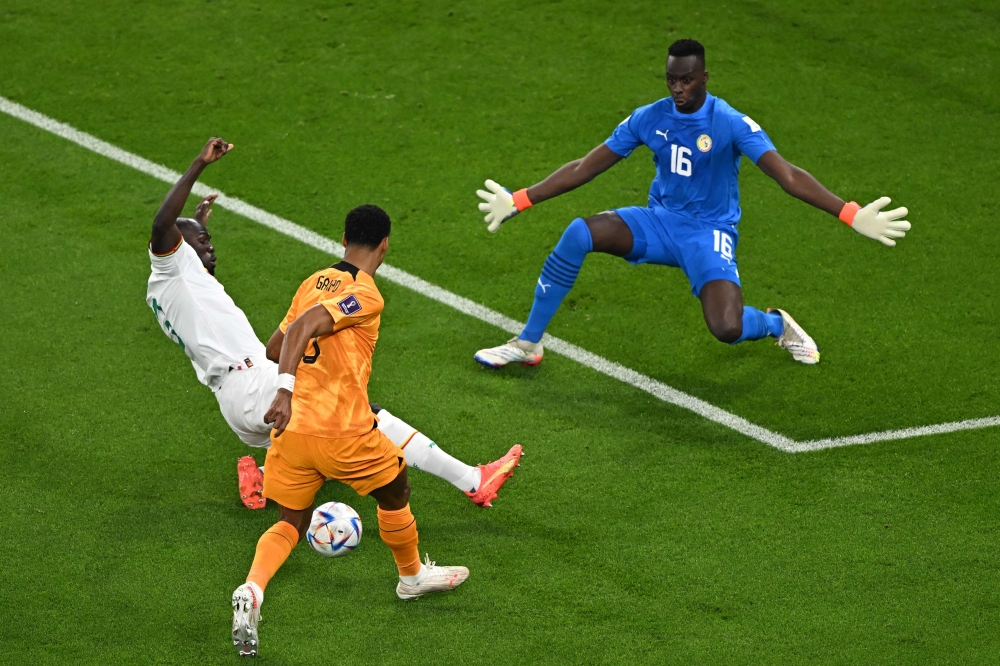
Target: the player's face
(686, 79)
(197, 237)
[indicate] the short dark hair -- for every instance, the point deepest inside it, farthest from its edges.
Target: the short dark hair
(366, 225)
(189, 224)
(687, 47)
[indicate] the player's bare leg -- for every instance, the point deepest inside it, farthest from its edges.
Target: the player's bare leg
(605, 232)
(273, 549)
(722, 305)
(398, 529)
(732, 322)
(610, 233)
(481, 483)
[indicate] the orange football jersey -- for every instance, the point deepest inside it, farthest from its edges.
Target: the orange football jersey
(331, 383)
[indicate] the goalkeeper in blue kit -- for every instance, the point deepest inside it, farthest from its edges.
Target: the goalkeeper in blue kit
(691, 219)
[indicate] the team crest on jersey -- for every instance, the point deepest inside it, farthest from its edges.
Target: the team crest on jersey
(349, 305)
(704, 143)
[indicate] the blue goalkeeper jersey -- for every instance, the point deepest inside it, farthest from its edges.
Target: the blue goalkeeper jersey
(697, 155)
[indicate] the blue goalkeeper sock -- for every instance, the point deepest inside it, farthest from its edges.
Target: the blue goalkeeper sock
(757, 324)
(558, 275)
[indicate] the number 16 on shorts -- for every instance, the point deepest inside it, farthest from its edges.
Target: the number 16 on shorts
(723, 244)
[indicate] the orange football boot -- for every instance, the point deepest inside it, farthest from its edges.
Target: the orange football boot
(251, 481)
(494, 475)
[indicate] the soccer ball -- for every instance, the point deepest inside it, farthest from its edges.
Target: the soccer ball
(335, 529)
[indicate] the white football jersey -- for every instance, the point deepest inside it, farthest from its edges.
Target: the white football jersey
(195, 311)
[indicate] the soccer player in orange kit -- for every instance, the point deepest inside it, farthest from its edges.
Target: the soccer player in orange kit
(324, 427)
(197, 313)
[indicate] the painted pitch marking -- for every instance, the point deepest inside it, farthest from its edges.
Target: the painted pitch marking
(582, 356)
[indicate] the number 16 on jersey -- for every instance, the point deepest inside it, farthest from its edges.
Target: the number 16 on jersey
(679, 162)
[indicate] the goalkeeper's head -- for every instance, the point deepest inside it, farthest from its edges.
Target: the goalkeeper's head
(686, 74)
(366, 231)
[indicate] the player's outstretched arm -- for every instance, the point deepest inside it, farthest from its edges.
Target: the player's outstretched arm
(166, 236)
(314, 322)
(869, 221)
(500, 204)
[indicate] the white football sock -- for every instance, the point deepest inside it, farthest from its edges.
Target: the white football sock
(423, 454)
(413, 580)
(260, 593)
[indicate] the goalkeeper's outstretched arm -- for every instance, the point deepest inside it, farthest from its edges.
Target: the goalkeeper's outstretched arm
(799, 183)
(869, 221)
(500, 204)
(574, 174)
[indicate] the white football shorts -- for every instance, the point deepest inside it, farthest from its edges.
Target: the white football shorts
(244, 398)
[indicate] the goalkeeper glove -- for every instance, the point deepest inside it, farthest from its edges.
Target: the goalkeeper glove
(872, 222)
(500, 205)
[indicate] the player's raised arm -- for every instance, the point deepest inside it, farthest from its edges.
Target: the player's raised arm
(314, 322)
(203, 210)
(869, 221)
(500, 204)
(166, 236)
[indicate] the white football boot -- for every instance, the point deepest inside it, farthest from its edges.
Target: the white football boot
(515, 351)
(432, 579)
(802, 347)
(246, 614)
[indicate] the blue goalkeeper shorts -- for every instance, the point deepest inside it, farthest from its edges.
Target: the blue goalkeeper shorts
(705, 251)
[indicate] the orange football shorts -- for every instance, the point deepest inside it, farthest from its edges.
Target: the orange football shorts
(297, 465)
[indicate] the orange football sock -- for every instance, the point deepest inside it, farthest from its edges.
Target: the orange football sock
(398, 530)
(273, 548)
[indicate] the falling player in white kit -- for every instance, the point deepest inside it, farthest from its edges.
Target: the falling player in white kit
(195, 311)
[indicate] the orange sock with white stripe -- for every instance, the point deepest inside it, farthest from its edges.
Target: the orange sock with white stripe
(273, 548)
(423, 454)
(398, 530)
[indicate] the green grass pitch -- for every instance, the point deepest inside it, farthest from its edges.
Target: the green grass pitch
(634, 532)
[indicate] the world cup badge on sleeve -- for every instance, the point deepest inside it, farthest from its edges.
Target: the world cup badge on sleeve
(349, 305)
(704, 143)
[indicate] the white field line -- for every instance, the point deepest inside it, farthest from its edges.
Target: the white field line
(473, 309)
(905, 433)
(401, 277)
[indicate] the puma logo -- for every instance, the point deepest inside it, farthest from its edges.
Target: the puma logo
(543, 286)
(663, 134)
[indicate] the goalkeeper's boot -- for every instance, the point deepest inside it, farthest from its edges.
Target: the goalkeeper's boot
(494, 475)
(515, 351)
(246, 614)
(251, 481)
(802, 347)
(432, 579)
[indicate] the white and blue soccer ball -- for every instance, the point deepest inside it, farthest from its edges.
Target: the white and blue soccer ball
(335, 529)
